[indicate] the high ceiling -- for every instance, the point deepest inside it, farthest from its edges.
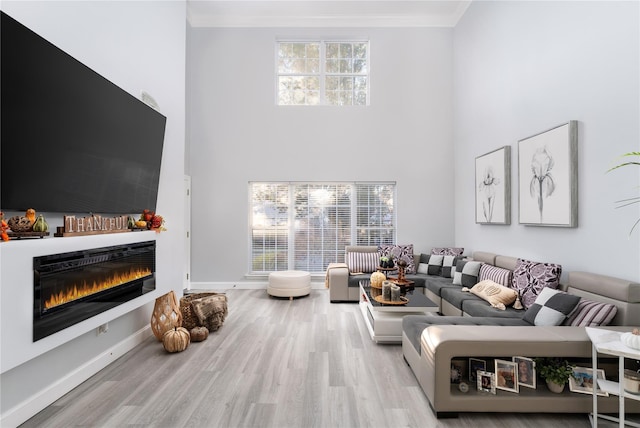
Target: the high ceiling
(325, 13)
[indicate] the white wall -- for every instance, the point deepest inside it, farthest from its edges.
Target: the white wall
(524, 67)
(239, 135)
(138, 46)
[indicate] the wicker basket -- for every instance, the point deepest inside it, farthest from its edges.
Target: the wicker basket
(190, 318)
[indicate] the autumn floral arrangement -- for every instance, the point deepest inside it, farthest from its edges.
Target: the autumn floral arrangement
(150, 220)
(4, 227)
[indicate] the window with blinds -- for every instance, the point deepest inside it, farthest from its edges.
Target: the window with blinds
(306, 226)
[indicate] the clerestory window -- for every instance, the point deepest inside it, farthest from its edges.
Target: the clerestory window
(311, 73)
(306, 226)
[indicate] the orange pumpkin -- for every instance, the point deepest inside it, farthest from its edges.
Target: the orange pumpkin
(31, 215)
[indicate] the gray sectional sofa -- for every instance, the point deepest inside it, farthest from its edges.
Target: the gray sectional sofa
(469, 327)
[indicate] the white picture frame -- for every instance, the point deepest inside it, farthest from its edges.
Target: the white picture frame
(506, 375)
(493, 187)
(526, 372)
(548, 177)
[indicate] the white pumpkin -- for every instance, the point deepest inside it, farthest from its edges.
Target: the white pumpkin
(632, 340)
(376, 279)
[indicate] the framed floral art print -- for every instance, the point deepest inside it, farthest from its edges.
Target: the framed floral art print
(548, 177)
(493, 187)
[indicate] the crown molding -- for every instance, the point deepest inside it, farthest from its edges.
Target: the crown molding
(327, 13)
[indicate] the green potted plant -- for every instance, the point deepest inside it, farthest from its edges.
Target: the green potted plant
(555, 371)
(636, 199)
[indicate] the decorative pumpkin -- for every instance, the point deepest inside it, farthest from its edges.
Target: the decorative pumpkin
(40, 225)
(176, 340)
(31, 215)
(376, 279)
(19, 224)
(198, 334)
(632, 340)
(141, 224)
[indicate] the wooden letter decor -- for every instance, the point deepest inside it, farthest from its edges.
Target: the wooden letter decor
(93, 225)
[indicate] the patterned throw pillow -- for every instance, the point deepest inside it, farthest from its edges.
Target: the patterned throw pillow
(551, 307)
(448, 251)
(530, 278)
(400, 252)
(467, 273)
(592, 314)
(449, 266)
(435, 264)
(496, 274)
(496, 294)
(362, 262)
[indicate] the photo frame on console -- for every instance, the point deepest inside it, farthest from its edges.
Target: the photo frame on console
(475, 365)
(582, 381)
(506, 375)
(493, 187)
(486, 382)
(548, 177)
(526, 372)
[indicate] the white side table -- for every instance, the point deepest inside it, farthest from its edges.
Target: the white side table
(608, 342)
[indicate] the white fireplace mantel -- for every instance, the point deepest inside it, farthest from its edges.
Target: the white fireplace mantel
(16, 294)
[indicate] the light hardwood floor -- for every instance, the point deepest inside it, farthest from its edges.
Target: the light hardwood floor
(274, 363)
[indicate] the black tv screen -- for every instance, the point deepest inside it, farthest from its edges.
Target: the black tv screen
(71, 141)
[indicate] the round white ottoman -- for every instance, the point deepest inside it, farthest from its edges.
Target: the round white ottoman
(289, 283)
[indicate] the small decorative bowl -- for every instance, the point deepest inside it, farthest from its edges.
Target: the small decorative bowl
(631, 340)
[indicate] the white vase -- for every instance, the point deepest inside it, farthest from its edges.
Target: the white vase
(555, 387)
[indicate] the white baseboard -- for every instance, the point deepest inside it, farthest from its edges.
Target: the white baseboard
(30, 407)
(242, 285)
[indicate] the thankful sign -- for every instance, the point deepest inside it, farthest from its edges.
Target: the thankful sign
(93, 224)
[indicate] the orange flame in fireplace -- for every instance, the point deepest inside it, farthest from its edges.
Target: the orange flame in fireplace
(75, 291)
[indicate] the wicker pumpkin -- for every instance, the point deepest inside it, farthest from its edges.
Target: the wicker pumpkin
(198, 334)
(376, 279)
(176, 340)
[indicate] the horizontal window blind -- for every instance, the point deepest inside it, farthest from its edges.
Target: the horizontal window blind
(306, 226)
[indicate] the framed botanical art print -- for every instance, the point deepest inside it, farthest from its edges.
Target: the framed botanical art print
(548, 177)
(493, 187)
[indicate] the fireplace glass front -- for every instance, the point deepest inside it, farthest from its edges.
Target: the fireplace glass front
(72, 287)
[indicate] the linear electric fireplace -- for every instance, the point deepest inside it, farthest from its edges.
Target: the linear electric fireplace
(72, 287)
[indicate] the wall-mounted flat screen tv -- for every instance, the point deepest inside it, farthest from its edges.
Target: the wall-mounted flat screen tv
(71, 141)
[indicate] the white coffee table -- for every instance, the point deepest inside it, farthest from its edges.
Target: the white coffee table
(384, 322)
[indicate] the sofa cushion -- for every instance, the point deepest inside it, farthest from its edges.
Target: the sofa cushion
(529, 278)
(455, 296)
(551, 307)
(400, 252)
(480, 308)
(591, 314)
(362, 262)
(448, 251)
(449, 266)
(436, 284)
(497, 295)
(466, 273)
(496, 274)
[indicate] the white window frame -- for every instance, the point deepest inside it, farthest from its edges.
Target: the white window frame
(354, 227)
(322, 74)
